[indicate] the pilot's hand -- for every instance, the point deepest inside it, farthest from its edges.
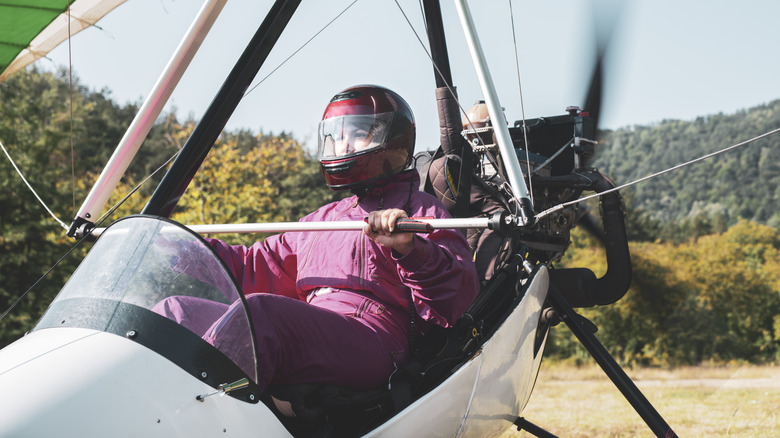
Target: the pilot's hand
(380, 227)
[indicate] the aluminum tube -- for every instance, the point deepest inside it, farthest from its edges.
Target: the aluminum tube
(281, 227)
(152, 107)
(173, 185)
(505, 145)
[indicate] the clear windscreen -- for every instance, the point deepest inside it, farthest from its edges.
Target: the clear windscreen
(158, 265)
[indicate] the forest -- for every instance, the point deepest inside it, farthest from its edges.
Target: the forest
(712, 194)
(704, 240)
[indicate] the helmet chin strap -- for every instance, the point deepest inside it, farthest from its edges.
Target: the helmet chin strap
(376, 189)
(364, 191)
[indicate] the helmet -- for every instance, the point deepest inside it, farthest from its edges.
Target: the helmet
(477, 126)
(366, 135)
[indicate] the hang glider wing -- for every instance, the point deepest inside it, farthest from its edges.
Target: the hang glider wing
(29, 29)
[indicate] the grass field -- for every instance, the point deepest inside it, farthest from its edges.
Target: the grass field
(729, 401)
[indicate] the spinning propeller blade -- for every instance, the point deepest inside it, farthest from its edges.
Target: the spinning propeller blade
(605, 17)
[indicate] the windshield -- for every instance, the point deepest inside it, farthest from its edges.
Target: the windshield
(158, 283)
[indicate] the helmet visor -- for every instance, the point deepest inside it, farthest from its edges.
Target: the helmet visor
(350, 135)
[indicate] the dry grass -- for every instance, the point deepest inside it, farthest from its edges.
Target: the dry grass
(728, 401)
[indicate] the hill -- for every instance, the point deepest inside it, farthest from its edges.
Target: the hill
(743, 183)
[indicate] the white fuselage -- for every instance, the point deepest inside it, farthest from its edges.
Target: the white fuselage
(76, 382)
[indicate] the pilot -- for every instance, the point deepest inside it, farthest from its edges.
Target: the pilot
(348, 307)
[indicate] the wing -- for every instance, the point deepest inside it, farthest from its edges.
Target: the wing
(31, 29)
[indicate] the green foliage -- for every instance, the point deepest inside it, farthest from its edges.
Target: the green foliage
(712, 194)
(269, 179)
(712, 298)
(706, 285)
(265, 178)
(35, 127)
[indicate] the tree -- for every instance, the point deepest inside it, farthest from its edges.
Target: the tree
(35, 127)
(273, 181)
(714, 297)
(245, 178)
(742, 183)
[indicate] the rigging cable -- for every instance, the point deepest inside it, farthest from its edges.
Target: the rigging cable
(118, 204)
(300, 48)
(436, 67)
(522, 105)
(454, 96)
(679, 166)
(30, 187)
(425, 49)
(70, 89)
(86, 235)
(73, 176)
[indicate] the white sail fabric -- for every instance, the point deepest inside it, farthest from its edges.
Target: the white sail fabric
(83, 14)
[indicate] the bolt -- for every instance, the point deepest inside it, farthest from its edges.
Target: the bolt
(203, 375)
(131, 334)
(251, 397)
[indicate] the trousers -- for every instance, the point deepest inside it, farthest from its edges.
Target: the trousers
(342, 338)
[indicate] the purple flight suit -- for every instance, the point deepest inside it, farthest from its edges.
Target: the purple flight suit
(334, 307)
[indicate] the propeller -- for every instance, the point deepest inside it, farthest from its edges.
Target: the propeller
(605, 18)
(594, 96)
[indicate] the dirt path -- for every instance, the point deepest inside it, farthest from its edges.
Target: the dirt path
(736, 383)
(748, 377)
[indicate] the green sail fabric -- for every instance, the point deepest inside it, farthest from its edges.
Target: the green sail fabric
(29, 29)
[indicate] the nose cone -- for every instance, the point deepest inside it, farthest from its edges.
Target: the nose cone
(86, 383)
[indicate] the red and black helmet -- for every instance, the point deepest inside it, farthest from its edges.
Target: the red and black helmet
(366, 134)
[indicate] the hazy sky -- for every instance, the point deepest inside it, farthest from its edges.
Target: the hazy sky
(668, 59)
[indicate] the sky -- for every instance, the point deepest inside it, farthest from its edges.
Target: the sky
(667, 59)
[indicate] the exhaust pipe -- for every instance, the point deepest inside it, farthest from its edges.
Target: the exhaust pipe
(579, 286)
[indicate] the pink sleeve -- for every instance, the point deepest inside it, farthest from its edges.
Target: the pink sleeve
(441, 274)
(268, 267)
